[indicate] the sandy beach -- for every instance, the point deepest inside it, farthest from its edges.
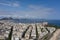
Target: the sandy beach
(55, 35)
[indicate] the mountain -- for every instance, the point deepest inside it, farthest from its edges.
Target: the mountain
(23, 20)
(30, 20)
(6, 18)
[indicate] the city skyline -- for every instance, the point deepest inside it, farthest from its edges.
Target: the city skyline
(45, 9)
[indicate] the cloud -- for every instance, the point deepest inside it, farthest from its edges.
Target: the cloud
(33, 11)
(11, 4)
(5, 13)
(15, 4)
(5, 4)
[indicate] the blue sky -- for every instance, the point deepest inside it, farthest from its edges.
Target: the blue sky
(45, 9)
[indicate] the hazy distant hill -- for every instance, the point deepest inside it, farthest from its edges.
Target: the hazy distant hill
(30, 20)
(6, 18)
(23, 20)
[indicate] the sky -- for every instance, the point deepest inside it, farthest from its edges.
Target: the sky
(44, 9)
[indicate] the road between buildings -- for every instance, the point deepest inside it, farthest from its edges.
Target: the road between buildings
(55, 35)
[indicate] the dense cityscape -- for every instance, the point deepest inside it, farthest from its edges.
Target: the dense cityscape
(29, 19)
(25, 31)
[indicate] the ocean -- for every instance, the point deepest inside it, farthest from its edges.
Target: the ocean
(54, 22)
(27, 20)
